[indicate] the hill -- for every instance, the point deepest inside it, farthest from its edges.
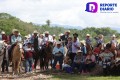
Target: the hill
(9, 22)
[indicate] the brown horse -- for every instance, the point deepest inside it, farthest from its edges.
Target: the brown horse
(88, 47)
(16, 58)
(47, 55)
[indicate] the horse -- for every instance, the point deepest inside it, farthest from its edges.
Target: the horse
(2, 44)
(46, 55)
(89, 47)
(17, 54)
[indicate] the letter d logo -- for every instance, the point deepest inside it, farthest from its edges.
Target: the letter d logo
(91, 7)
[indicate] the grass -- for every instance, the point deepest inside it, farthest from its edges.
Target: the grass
(83, 77)
(66, 76)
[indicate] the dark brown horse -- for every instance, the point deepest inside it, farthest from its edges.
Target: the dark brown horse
(46, 55)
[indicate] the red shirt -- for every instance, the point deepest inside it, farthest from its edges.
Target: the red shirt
(97, 50)
(4, 37)
(29, 54)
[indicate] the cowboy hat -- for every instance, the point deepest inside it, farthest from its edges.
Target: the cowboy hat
(75, 35)
(113, 35)
(87, 34)
(54, 35)
(61, 34)
(67, 31)
(79, 51)
(58, 42)
(82, 42)
(2, 32)
(100, 35)
(46, 32)
(35, 32)
(15, 30)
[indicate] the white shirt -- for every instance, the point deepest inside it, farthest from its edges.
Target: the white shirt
(40, 41)
(46, 39)
(74, 49)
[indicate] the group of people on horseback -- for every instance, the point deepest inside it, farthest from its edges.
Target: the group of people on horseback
(67, 50)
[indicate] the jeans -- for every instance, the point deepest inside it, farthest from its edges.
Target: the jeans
(82, 67)
(58, 59)
(76, 65)
(5, 63)
(28, 64)
(72, 55)
(90, 66)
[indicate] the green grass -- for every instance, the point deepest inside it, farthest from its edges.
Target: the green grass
(82, 77)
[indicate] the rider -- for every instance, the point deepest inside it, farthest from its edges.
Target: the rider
(88, 40)
(47, 38)
(65, 37)
(114, 41)
(14, 39)
(4, 37)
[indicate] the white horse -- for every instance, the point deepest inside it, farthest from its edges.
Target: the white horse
(2, 46)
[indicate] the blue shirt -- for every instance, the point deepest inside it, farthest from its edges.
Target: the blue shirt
(15, 39)
(56, 50)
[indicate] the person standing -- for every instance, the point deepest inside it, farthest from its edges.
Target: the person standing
(75, 47)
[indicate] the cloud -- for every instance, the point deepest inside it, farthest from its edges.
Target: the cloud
(65, 12)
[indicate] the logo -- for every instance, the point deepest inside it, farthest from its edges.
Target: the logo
(92, 7)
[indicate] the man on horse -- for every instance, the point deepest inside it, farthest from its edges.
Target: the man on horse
(65, 37)
(14, 39)
(47, 38)
(88, 43)
(34, 41)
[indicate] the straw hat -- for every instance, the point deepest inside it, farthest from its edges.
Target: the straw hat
(113, 36)
(82, 42)
(67, 31)
(35, 32)
(79, 51)
(58, 42)
(61, 34)
(87, 34)
(54, 35)
(46, 32)
(2, 32)
(100, 35)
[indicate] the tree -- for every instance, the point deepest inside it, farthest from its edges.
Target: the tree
(48, 22)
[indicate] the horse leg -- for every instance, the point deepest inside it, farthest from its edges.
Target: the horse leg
(35, 63)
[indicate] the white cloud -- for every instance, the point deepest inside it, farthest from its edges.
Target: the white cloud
(67, 12)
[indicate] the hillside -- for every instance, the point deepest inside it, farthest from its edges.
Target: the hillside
(9, 22)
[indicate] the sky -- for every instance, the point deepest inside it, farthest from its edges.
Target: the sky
(62, 12)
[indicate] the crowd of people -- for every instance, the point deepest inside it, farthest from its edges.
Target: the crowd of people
(68, 51)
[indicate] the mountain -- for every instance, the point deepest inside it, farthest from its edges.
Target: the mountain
(9, 22)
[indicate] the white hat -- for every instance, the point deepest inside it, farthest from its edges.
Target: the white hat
(26, 36)
(113, 35)
(15, 30)
(83, 42)
(19, 34)
(54, 35)
(46, 32)
(67, 31)
(79, 51)
(87, 34)
(61, 34)
(58, 42)
(35, 32)
(2, 32)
